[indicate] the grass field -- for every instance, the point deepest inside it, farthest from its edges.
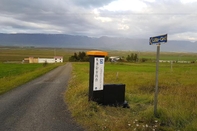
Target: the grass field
(17, 54)
(13, 75)
(7, 70)
(176, 101)
(177, 89)
(176, 56)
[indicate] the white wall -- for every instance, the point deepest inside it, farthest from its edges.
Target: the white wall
(50, 60)
(47, 60)
(58, 59)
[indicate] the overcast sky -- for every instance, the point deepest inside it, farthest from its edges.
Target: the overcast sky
(95, 18)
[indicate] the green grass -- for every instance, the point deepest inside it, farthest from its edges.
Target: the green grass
(19, 53)
(9, 54)
(176, 56)
(13, 75)
(7, 70)
(176, 101)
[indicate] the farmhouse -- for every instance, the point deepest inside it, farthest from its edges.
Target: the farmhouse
(114, 58)
(55, 59)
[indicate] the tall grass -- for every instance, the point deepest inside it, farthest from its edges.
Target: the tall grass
(177, 101)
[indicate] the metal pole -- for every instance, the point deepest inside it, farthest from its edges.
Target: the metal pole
(156, 81)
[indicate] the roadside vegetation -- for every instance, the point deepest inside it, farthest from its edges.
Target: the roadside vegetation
(176, 102)
(13, 75)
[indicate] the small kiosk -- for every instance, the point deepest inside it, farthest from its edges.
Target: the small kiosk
(108, 94)
(96, 75)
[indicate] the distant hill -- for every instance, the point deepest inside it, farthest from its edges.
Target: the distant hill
(106, 43)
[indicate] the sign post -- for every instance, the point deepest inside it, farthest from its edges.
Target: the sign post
(96, 75)
(157, 40)
(156, 80)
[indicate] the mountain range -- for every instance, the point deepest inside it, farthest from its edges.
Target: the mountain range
(102, 43)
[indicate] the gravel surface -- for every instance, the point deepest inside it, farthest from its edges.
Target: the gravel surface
(38, 105)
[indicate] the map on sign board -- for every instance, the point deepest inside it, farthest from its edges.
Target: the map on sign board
(158, 39)
(98, 73)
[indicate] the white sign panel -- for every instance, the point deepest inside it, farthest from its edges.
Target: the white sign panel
(98, 73)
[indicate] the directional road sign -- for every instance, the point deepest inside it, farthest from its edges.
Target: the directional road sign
(158, 39)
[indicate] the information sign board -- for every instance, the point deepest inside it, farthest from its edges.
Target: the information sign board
(98, 73)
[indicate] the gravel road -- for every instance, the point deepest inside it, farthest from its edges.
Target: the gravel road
(38, 105)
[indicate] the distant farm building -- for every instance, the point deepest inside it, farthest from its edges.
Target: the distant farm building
(114, 58)
(56, 59)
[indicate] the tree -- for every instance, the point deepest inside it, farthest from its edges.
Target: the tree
(106, 58)
(135, 58)
(128, 58)
(81, 56)
(75, 56)
(132, 58)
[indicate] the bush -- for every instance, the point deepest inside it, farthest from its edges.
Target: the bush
(144, 60)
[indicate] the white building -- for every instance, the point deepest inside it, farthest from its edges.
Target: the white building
(56, 59)
(114, 58)
(46, 60)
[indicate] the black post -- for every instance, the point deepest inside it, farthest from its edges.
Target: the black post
(91, 77)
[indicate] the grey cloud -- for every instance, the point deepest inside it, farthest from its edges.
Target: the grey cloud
(38, 12)
(92, 3)
(77, 17)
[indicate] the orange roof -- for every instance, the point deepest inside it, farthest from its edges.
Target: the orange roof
(97, 53)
